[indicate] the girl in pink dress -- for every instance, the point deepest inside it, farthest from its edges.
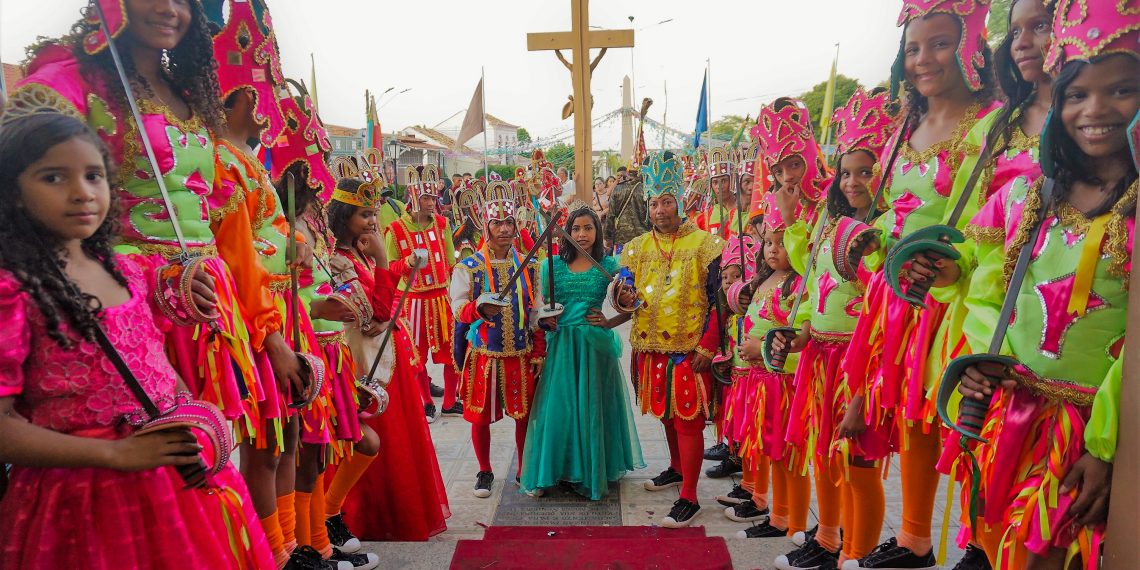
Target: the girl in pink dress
(85, 491)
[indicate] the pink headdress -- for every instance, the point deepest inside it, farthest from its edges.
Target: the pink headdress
(303, 140)
(972, 14)
(864, 123)
(732, 254)
(248, 59)
(1083, 30)
(787, 132)
(116, 13)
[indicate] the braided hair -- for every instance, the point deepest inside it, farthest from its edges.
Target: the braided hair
(190, 67)
(27, 249)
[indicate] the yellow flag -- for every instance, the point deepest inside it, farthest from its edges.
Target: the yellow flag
(828, 103)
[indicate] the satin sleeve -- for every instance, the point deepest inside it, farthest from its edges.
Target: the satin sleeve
(984, 298)
(974, 142)
(1104, 422)
(383, 293)
(15, 336)
(234, 235)
(796, 242)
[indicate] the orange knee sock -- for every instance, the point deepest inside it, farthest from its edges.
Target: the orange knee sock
(847, 516)
(302, 501)
(799, 499)
(748, 479)
(760, 483)
(287, 517)
(272, 528)
(869, 506)
(919, 487)
(779, 516)
(828, 502)
(320, 535)
(347, 474)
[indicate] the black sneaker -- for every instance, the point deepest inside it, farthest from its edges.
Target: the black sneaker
(718, 452)
(974, 559)
(436, 391)
(430, 412)
(746, 512)
(802, 537)
(305, 558)
(667, 478)
(890, 556)
(811, 556)
(340, 536)
(725, 468)
(734, 497)
(762, 530)
(456, 409)
(682, 514)
(366, 561)
(483, 481)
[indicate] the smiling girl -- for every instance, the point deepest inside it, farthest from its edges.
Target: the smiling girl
(85, 491)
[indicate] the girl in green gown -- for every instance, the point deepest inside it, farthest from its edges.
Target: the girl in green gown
(581, 428)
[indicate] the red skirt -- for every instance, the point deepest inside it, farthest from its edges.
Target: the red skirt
(401, 496)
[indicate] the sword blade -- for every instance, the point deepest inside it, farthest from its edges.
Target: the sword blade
(530, 255)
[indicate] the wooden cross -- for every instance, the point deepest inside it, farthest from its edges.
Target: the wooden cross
(580, 39)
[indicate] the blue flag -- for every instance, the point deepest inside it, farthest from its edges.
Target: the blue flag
(702, 113)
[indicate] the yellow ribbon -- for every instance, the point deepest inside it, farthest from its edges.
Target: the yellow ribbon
(1086, 267)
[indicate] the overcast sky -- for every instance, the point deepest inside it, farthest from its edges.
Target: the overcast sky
(758, 49)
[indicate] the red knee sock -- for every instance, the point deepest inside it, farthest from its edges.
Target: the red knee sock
(520, 441)
(671, 440)
(481, 441)
(691, 445)
(425, 385)
(450, 385)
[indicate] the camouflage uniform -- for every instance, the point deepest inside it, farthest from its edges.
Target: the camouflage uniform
(629, 216)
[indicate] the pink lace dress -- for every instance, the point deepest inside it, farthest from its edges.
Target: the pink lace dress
(98, 518)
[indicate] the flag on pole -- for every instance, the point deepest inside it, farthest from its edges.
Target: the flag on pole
(828, 103)
(313, 81)
(473, 121)
(740, 132)
(373, 134)
(702, 113)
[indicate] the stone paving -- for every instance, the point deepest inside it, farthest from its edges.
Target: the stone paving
(470, 515)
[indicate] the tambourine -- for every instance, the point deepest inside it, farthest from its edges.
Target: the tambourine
(351, 294)
(314, 368)
(373, 400)
(933, 239)
(850, 238)
(174, 291)
(732, 296)
(207, 424)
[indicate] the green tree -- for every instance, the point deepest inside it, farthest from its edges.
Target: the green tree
(523, 136)
(844, 88)
(561, 155)
(726, 127)
(506, 172)
(998, 24)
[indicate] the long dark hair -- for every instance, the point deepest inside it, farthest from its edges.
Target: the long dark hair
(305, 194)
(836, 201)
(339, 212)
(1018, 92)
(567, 251)
(1071, 163)
(190, 67)
(27, 249)
(916, 103)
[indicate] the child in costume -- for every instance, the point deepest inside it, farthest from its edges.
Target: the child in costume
(719, 218)
(737, 269)
(581, 427)
(1051, 429)
(847, 446)
(428, 309)
(401, 497)
(506, 351)
(674, 269)
(764, 442)
(898, 346)
(85, 490)
(177, 95)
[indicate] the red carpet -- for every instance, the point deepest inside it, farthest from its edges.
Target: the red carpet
(506, 547)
